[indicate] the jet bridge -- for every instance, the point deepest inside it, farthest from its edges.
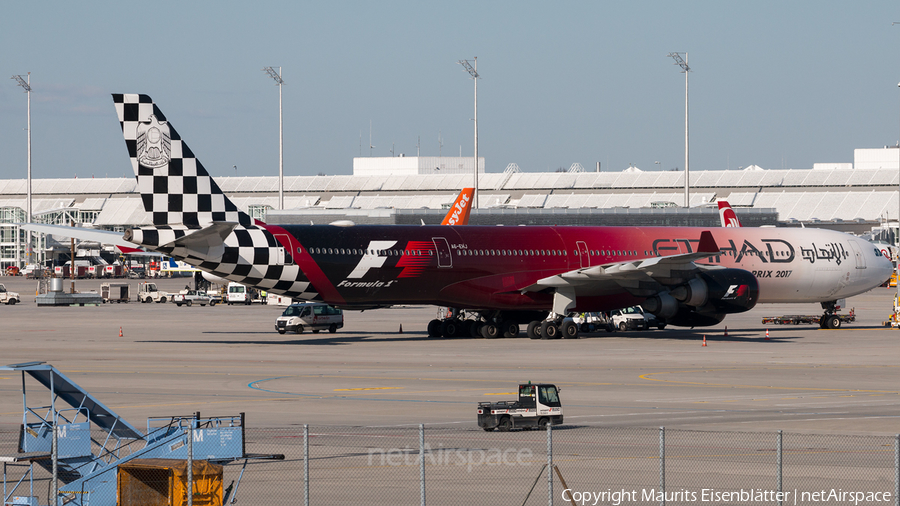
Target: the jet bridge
(92, 441)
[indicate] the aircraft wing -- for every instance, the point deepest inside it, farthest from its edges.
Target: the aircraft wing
(86, 234)
(636, 275)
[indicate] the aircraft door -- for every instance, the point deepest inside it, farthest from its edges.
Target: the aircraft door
(281, 258)
(583, 254)
(443, 252)
(857, 252)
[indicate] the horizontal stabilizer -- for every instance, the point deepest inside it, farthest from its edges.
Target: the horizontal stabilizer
(84, 234)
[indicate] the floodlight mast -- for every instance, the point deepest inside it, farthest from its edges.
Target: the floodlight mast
(279, 82)
(26, 85)
(473, 71)
(685, 69)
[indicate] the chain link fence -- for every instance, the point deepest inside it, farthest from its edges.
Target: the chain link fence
(564, 465)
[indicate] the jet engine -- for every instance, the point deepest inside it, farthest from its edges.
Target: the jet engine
(706, 299)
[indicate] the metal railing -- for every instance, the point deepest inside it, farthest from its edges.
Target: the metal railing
(566, 465)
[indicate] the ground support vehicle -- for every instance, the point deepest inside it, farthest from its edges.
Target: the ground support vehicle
(95, 443)
(114, 292)
(634, 318)
(594, 322)
(148, 292)
(191, 297)
(313, 316)
(538, 406)
(7, 297)
(830, 321)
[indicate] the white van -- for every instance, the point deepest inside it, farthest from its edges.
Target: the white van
(313, 316)
(240, 294)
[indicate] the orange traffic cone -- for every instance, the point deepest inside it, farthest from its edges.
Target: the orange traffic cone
(767, 334)
(401, 328)
(120, 332)
(726, 330)
(704, 339)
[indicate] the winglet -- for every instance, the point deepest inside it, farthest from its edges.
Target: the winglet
(707, 243)
(459, 211)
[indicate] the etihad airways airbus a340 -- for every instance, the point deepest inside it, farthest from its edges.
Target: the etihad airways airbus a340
(497, 278)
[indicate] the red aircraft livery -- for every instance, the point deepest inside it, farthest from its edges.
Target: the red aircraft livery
(496, 279)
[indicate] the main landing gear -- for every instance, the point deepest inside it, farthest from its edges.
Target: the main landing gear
(554, 328)
(488, 324)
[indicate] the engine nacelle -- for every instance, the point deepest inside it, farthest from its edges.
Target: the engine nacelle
(688, 317)
(730, 290)
(706, 299)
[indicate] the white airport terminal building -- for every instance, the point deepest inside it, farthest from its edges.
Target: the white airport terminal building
(851, 197)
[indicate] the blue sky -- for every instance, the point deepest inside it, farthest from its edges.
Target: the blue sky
(776, 84)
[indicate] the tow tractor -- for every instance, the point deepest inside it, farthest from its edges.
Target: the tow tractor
(538, 406)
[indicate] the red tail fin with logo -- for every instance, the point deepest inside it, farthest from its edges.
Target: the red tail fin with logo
(727, 215)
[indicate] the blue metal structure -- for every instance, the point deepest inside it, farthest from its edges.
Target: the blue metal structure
(92, 440)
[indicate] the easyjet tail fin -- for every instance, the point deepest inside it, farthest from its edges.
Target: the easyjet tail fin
(175, 188)
(727, 215)
(459, 211)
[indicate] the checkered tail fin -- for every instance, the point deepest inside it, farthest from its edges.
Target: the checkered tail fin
(174, 185)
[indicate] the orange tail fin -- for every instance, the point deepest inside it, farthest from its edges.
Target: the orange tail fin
(459, 212)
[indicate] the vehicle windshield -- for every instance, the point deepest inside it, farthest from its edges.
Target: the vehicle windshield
(2, 289)
(632, 310)
(548, 396)
(291, 311)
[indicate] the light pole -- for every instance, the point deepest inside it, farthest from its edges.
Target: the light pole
(279, 82)
(685, 69)
(26, 85)
(473, 71)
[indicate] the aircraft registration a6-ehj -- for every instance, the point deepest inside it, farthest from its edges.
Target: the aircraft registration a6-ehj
(497, 279)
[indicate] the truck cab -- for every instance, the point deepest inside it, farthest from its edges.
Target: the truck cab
(538, 405)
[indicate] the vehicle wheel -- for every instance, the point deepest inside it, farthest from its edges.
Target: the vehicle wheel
(188, 303)
(542, 423)
(549, 330)
(229, 302)
(623, 327)
(510, 329)
(316, 331)
(450, 328)
(585, 327)
(332, 328)
(281, 331)
(178, 304)
(299, 329)
(434, 328)
(490, 331)
(833, 322)
(505, 424)
(148, 300)
(488, 429)
(212, 303)
(475, 328)
(662, 327)
(823, 322)
(534, 330)
(162, 300)
(569, 330)
(12, 302)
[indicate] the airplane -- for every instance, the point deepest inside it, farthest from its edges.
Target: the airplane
(500, 278)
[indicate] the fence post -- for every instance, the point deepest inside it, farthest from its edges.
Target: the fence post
(55, 456)
(549, 464)
(422, 463)
(662, 465)
(190, 464)
(779, 463)
(306, 464)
